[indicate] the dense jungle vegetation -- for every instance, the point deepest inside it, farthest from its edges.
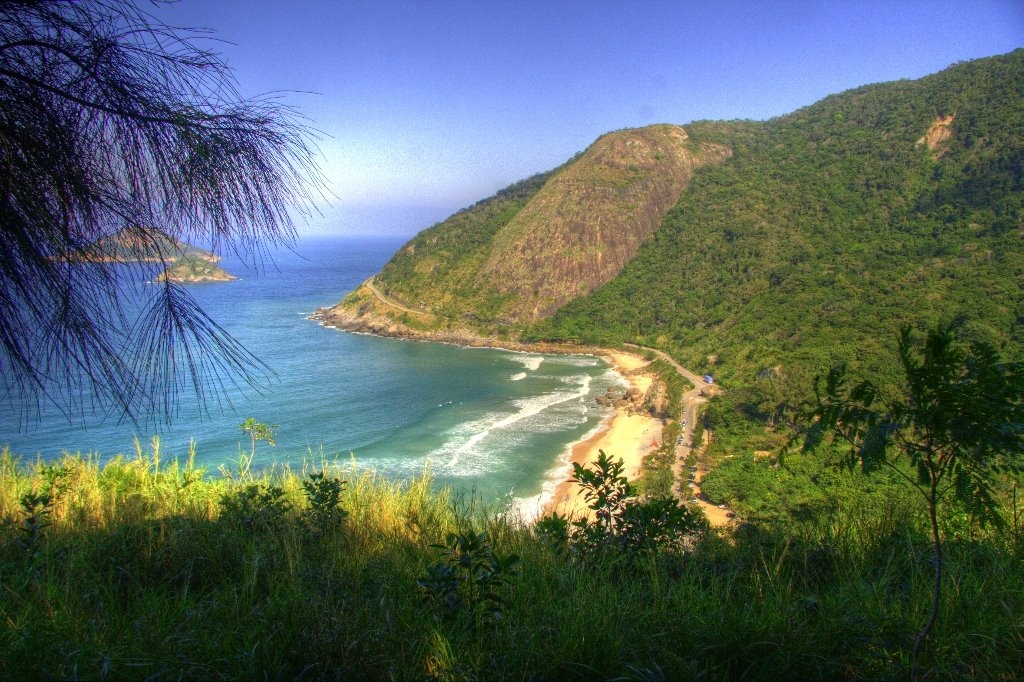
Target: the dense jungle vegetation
(827, 231)
(832, 227)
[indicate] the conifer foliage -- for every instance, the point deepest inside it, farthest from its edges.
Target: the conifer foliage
(110, 119)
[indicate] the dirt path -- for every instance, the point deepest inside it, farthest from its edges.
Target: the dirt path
(718, 516)
(383, 298)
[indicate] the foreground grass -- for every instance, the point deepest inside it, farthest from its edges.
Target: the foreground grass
(145, 572)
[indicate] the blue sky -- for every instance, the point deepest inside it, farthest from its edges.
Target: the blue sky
(427, 107)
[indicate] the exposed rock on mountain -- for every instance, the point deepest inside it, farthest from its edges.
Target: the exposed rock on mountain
(520, 255)
(588, 221)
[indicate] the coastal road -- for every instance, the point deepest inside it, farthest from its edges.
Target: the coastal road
(691, 400)
(386, 300)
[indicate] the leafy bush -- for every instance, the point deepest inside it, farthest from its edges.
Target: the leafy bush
(37, 508)
(324, 497)
(469, 577)
(621, 522)
(257, 506)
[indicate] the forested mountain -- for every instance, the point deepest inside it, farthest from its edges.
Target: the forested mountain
(524, 253)
(795, 242)
(832, 226)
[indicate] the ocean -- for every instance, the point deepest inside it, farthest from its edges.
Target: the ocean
(486, 421)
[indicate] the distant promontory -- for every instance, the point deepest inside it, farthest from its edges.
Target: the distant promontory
(186, 264)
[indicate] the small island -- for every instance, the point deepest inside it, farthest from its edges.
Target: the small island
(185, 263)
(193, 270)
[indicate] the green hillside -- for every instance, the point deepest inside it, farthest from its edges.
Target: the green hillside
(523, 253)
(438, 269)
(140, 244)
(740, 246)
(832, 226)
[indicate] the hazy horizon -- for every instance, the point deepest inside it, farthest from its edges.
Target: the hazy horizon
(428, 107)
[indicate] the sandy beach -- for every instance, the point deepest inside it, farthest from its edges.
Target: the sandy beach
(621, 436)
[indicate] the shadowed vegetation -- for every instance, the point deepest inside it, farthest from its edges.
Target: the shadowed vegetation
(140, 568)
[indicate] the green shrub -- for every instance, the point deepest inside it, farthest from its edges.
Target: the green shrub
(622, 523)
(469, 578)
(323, 495)
(256, 506)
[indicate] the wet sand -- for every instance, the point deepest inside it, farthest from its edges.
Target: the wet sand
(622, 436)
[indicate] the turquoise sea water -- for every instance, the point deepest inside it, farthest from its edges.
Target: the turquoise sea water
(491, 420)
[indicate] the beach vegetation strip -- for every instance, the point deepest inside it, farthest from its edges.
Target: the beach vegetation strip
(141, 568)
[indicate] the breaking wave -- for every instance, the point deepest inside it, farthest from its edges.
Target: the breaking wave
(530, 362)
(466, 439)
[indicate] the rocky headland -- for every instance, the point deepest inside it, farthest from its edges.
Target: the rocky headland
(195, 271)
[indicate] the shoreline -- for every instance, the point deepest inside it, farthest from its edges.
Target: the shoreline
(620, 435)
(463, 341)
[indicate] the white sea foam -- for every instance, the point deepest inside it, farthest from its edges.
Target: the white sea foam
(481, 429)
(518, 377)
(527, 509)
(530, 362)
(579, 360)
(531, 508)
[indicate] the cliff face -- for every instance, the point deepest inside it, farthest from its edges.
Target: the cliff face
(519, 256)
(588, 221)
